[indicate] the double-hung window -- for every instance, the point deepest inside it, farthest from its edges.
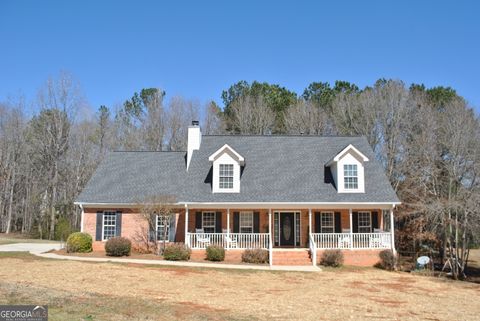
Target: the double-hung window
(208, 222)
(163, 228)
(350, 176)
(109, 225)
(327, 222)
(364, 222)
(226, 176)
(246, 222)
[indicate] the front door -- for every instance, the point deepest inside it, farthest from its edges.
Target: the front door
(287, 229)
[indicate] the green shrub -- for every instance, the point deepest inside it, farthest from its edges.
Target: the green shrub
(215, 253)
(333, 258)
(62, 229)
(257, 256)
(79, 242)
(118, 246)
(177, 252)
(388, 261)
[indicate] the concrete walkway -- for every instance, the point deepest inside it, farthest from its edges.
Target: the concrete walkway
(34, 248)
(39, 249)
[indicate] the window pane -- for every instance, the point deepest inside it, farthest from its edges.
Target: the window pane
(327, 222)
(226, 176)
(208, 222)
(246, 222)
(163, 227)
(350, 174)
(364, 222)
(109, 223)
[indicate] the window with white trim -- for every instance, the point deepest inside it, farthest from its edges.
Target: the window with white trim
(109, 225)
(208, 222)
(327, 222)
(246, 222)
(364, 222)
(350, 176)
(226, 176)
(163, 225)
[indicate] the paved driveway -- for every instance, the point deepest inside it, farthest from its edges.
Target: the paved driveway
(30, 247)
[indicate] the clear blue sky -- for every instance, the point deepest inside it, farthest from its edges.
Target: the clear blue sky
(198, 48)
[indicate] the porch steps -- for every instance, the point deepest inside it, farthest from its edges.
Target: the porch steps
(291, 257)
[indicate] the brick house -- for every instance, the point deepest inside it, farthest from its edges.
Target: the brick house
(294, 196)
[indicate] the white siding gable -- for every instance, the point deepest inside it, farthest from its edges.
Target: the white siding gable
(348, 156)
(349, 159)
(226, 156)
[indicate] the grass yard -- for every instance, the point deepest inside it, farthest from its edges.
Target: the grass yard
(18, 238)
(107, 291)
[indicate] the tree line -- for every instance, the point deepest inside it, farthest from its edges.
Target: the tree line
(427, 139)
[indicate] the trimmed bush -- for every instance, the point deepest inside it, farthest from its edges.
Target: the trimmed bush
(388, 261)
(79, 243)
(215, 253)
(333, 258)
(177, 252)
(257, 256)
(118, 246)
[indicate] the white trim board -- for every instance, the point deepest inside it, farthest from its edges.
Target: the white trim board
(255, 205)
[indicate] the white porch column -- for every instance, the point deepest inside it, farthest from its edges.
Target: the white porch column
(309, 222)
(270, 222)
(351, 227)
(187, 238)
(392, 231)
(228, 228)
(270, 246)
(81, 218)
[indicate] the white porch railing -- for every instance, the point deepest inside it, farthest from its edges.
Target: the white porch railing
(229, 240)
(352, 241)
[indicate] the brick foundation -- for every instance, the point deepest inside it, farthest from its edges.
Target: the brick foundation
(356, 257)
(231, 256)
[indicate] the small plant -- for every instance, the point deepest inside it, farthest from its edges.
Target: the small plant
(257, 256)
(118, 246)
(333, 258)
(79, 242)
(177, 252)
(388, 261)
(215, 253)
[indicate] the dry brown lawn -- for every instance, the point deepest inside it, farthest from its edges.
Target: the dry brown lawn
(107, 291)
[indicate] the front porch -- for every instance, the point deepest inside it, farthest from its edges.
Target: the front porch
(313, 229)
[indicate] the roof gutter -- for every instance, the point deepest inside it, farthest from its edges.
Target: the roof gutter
(282, 205)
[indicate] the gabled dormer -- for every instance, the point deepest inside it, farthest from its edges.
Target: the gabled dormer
(347, 168)
(226, 163)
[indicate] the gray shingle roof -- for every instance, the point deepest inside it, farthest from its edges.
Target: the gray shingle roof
(277, 169)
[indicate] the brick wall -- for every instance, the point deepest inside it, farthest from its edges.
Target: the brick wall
(356, 257)
(133, 224)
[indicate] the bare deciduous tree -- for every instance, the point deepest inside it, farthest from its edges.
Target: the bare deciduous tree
(158, 208)
(252, 116)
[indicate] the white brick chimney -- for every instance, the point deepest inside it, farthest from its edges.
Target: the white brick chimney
(194, 140)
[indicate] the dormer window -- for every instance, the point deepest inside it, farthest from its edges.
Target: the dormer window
(226, 170)
(350, 176)
(226, 176)
(348, 170)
